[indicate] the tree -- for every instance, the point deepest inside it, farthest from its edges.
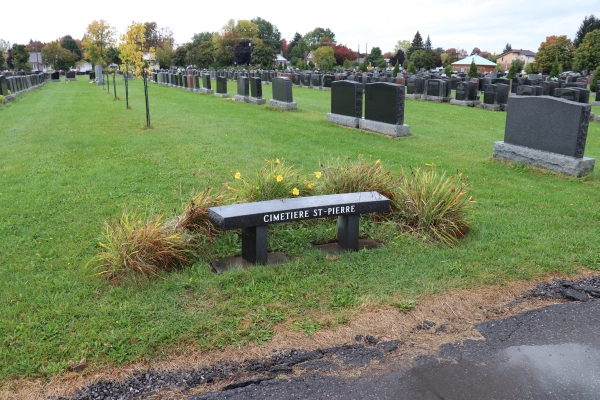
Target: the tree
(417, 44)
(427, 45)
(297, 37)
(324, 58)
(268, 33)
(396, 69)
(555, 47)
(589, 24)
(473, 70)
(20, 57)
(587, 55)
(422, 59)
(397, 58)
(68, 43)
(200, 38)
(518, 64)
(594, 84)
(180, 57)
(314, 38)
(57, 56)
(411, 68)
(448, 70)
(2, 59)
(343, 53)
(163, 55)
(475, 51)
(98, 36)
(554, 72)
(262, 55)
(376, 58)
(512, 72)
(507, 48)
(299, 52)
(203, 54)
(112, 55)
(131, 49)
(242, 53)
(403, 45)
(529, 68)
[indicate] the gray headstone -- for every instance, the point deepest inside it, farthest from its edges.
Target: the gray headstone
(282, 90)
(547, 123)
(256, 87)
(243, 86)
(221, 85)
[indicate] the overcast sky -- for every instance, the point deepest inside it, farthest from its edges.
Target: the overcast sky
(464, 24)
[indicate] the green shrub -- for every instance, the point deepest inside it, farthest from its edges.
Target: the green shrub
(433, 205)
(595, 81)
(139, 250)
(1, 99)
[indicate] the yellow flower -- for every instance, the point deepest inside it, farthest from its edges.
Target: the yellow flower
(238, 175)
(295, 192)
(318, 174)
(277, 161)
(378, 162)
(279, 178)
(310, 185)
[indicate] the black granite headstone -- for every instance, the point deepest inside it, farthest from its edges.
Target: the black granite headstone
(3, 86)
(242, 86)
(435, 87)
(462, 91)
(328, 80)
(282, 90)
(526, 90)
(547, 123)
(384, 102)
(502, 91)
(316, 80)
(489, 94)
(256, 87)
(206, 81)
(346, 98)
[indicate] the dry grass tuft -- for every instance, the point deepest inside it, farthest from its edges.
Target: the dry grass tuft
(195, 215)
(139, 250)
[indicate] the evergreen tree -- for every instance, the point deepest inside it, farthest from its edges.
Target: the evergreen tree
(594, 84)
(554, 72)
(428, 44)
(448, 70)
(473, 70)
(411, 68)
(589, 24)
(396, 69)
(512, 72)
(68, 43)
(417, 42)
(508, 47)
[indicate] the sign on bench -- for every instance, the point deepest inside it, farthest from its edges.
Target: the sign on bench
(253, 219)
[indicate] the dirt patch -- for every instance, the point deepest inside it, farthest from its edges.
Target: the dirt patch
(434, 321)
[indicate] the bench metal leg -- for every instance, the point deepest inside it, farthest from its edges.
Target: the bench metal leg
(348, 231)
(254, 244)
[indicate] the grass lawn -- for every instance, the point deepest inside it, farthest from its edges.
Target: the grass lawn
(71, 157)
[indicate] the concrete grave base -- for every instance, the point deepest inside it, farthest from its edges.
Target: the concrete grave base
(222, 95)
(254, 100)
(226, 264)
(327, 89)
(597, 119)
(592, 117)
(595, 103)
(465, 103)
(386, 129)
(577, 167)
(335, 248)
(206, 91)
(283, 105)
(55, 80)
(344, 120)
(240, 98)
(412, 96)
(494, 107)
(437, 99)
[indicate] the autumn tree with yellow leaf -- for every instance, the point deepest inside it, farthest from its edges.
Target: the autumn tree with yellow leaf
(96, 39)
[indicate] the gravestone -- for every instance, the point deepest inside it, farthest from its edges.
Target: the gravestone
(282, 94)
(548, 88)
(71, 75)
(206, 87)
(571, 94)
(547, 132)
(327, 81)
(3, 86)
(502, 92)
(489, 94)
(316, 81)
(256, 92)
(436, 90)
(243, 89)
(526, 90)
(55, 76)
(346, 103)
(306, 80)
(221, 87)
(400, 80)
(99, 76)
(384, 109)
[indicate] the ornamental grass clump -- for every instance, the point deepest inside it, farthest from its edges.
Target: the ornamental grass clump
(273, 181)
(140, 250)
(195, 215)
(347, 176)
(433, 205)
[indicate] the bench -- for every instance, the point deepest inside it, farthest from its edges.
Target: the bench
(253, 219)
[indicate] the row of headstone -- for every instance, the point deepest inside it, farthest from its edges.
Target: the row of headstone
(249, 90)
(192, 80)
(384, 107)
(17, 84)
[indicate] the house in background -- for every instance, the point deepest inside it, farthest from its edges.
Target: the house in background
(483, 65)
(35, 59)
(506, 59)
(280, 60)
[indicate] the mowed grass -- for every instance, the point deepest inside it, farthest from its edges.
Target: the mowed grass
(71, 158)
